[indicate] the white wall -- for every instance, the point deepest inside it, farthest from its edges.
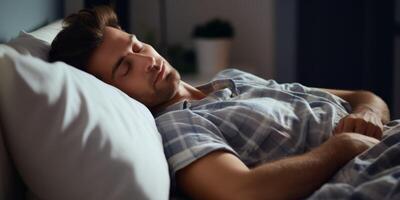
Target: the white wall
(253, 46)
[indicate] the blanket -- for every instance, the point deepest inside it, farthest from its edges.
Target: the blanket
(374, 174)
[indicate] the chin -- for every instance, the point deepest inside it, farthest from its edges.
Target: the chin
(169, 87)
(175, 80)
(174, 75)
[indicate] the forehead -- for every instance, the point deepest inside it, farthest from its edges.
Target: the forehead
(113, 34)
(113, 46)
(114, 40)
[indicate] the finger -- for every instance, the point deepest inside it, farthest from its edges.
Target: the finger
(378, 133)
(371, 128)
(348, 125)
(360, 126)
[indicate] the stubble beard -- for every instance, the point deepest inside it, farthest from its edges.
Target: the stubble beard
(173, 81)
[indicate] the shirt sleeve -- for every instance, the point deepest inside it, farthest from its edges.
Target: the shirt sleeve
(187, 137)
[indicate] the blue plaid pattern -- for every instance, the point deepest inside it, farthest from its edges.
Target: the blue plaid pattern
(255, 119)
(374, 174)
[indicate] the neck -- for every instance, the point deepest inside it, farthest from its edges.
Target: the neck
(185, 91)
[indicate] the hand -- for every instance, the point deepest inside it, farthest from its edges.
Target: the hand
(365, 122)
(349, 145)
(352, 144)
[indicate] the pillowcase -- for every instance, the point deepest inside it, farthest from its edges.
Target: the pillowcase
(27, 44)
(37, 43)
(72, 136)
(49, 32)
(11, 186)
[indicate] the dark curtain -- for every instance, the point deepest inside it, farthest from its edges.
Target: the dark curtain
(346, 44)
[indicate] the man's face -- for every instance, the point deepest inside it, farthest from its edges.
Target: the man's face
(134, 67)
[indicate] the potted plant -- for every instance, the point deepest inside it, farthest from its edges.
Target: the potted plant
(212, 42)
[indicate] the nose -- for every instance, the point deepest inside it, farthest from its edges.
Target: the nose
(149, 63)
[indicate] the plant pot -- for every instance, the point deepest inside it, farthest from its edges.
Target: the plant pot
(212, 55)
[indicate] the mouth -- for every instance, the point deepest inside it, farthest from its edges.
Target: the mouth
(161, 73)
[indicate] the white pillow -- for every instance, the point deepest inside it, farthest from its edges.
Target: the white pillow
(49, 32)
(28, 44)
(11, 186)
(72, 136)
(37, 43)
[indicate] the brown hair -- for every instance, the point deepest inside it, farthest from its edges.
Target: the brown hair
(82, 33)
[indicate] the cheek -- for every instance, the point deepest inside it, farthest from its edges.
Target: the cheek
(135, 86)
(169, 88)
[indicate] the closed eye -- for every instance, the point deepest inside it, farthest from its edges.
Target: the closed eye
(126, 67)
(116, 66)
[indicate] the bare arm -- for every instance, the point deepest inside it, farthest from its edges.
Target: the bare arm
(368, 116)
(364, 100)
(221, 175)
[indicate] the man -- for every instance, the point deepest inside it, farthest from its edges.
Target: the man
(238, 137)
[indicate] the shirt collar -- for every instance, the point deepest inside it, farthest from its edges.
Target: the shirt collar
(208, 89)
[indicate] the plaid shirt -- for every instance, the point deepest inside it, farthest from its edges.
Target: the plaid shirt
(255, 119)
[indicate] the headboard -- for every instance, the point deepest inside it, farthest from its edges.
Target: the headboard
(17, 15)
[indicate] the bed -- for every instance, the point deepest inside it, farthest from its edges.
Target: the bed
(67, 135)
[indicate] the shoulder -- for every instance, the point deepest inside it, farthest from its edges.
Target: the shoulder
(230, 72)
(183, 121)
(187, 137)
(237, 74)
(243, 77)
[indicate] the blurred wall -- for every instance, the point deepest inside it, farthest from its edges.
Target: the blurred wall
(26, 15)
(253, 47)
(72, 6)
